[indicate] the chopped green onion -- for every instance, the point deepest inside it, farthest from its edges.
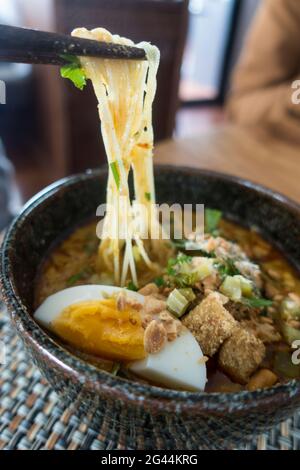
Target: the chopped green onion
(188, 293)
(231, 287)
(148, 196)
(212, 219)
(205, 268)
(131, 286)
(177, 303)
(240, 289)
(289, 308)
(246, 285)
(290, 333)
(115, 172)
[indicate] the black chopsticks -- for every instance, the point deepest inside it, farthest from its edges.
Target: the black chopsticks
(39, 47)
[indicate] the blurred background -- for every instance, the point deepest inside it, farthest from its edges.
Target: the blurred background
(50, 129)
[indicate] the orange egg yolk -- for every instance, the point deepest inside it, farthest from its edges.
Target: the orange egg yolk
(99, 328)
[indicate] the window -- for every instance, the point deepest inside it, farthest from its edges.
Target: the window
(207, 49)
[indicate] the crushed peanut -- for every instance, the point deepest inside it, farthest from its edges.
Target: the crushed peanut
(124, 302)
(155, 337)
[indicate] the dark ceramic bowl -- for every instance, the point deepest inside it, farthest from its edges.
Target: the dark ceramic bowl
(130, 414)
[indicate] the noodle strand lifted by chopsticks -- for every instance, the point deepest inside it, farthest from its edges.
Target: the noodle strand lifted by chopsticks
(125, 92)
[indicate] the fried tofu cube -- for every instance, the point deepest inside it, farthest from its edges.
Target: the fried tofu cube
(241, 354)
(210, 323)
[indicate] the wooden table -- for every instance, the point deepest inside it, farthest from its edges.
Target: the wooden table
(248, 154)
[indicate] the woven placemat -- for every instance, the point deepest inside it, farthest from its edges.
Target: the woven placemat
(32, 416)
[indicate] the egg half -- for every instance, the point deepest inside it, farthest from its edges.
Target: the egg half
(180, 364)
(87, 317)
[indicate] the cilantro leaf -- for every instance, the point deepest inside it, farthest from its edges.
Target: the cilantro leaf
(183, 258)
(159, 281)
(131, 286)
(227, 268)
(73, 71)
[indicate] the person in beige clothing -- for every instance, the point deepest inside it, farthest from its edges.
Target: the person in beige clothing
(261, 93)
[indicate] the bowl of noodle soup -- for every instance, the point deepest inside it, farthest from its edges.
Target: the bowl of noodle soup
(140, 414)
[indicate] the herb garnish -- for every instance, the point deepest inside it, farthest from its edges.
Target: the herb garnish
(181, 272)
(227, 268)
(159, 281)
(73, 71)
(131, 286)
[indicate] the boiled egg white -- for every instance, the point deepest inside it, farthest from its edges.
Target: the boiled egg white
(180, 364)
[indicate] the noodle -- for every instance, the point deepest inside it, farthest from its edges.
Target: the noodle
(125, 92)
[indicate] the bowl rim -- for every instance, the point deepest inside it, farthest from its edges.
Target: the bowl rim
(114, 387)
